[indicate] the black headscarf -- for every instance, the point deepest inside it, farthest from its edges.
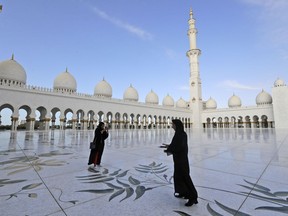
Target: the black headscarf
(179, 125)
(100, 125)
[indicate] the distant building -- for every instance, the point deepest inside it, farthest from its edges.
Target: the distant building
(87, 110)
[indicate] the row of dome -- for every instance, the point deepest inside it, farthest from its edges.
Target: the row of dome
(234, 101)
(263, 98)
(11, 70)
(65, 82)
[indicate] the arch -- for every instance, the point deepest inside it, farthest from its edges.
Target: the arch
(256, 121)
(145, 121)
(42, 121)
(81, 122)
(117, 120)
(264, 121)
(240, 122)
(26, 119)
(7, 110)
(150, 121)
(125, 120)
(66, 121)
(209, 121)
(55, 118)
(220, 122)
(247, 122)
(100, 116)
(226, 122)
(214, 122)
(160, 121)
(109, 117)
(91, 119)
(233, 121)
(138, 121)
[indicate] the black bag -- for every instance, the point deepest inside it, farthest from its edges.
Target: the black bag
(92, 145)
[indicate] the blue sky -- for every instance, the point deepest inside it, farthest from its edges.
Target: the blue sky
(144, 43)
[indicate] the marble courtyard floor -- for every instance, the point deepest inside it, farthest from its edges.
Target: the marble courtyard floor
(236, 172)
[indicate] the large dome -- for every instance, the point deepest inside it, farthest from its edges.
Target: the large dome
(234, 101)
(13, 71)
(263, 98)
(152, 98)
(211, 104)
(168, 101)
(65, 82)
(279, 82)
(103, 89)
(131, 94)
(181, 103)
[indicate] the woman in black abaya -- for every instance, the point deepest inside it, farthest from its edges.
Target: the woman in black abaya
(183, 185)
(100, 134)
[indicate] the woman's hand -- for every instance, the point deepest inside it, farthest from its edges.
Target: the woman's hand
(164, 145)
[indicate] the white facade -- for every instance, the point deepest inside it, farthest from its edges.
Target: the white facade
(87, 110)
(280, 105)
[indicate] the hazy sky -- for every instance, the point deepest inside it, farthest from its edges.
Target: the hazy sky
(244, 44)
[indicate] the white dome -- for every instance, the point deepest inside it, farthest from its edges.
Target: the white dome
(131, 94)
(103, 89)
(65, 81)
(263, 98)
(234, 101)
(152, 98)
(12, 70)
(181, 103)
(211, 104)
(168, 101)
(279, 82)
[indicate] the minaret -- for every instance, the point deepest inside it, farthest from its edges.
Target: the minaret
(193, 53)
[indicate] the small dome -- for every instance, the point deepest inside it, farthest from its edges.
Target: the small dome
(279, 82)
(211, 104)
(181, 103)
(152, 98)
(168, 101)
(131, 94)
(65, 81)
(263, 98)
(234, 101)
(12, 70)
(103, 89)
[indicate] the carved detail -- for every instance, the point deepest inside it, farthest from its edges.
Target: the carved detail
(193, 52)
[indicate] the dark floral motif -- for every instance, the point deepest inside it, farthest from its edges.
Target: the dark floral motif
(4, 182)
(124, 184)
(20, 164)
(120, 184)
(259, 192)
(23, 191)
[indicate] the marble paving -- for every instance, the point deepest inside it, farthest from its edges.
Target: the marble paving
(236, 172)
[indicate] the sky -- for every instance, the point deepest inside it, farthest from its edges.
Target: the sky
(143, 43)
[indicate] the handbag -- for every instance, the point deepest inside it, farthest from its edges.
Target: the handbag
(92, 145)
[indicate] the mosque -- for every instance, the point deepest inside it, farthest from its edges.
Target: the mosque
(46, 106)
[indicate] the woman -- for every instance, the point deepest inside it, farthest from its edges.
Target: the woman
(101, 133)
(183, 185)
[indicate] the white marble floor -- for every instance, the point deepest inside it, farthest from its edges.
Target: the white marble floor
(236, 172)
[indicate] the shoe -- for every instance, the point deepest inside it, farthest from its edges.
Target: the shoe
(97, 168)
(191, 202)
(177, 195)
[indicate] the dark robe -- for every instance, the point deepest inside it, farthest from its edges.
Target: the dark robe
(179, 149)
(96, 154)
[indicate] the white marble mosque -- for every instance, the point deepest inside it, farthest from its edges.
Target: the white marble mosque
(46, 106)
(238, 155)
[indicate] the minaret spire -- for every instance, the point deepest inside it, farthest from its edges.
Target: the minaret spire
(193, 54)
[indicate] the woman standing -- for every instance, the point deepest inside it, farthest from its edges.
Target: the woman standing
(100, 134)
(183, 185)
